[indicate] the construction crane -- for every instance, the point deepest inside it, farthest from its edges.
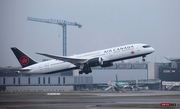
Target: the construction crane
(63, 23)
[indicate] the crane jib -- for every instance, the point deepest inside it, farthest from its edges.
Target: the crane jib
(63, 23)
(53, 21)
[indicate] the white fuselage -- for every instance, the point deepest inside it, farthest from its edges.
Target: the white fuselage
(108, 55)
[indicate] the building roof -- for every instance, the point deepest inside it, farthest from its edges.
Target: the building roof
(173, 59)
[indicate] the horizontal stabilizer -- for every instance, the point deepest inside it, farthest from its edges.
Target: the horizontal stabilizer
(19, 69)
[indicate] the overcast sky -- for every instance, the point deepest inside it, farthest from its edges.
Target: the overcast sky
(105, 24)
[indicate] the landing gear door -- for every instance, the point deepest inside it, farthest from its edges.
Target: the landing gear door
(138, 49)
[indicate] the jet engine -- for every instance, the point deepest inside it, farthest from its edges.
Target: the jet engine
(91, 63)
(95, 62)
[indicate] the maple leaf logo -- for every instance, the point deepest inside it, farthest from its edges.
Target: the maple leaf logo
(132, 52)
(24, 60)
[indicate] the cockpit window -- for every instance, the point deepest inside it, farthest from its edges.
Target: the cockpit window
(146, 46)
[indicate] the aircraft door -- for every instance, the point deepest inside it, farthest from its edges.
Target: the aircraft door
(137, 48)
(40, 67)
(46, 66)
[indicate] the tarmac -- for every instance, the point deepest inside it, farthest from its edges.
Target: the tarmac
(89, 99)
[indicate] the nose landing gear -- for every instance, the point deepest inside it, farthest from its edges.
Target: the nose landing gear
(143, 58)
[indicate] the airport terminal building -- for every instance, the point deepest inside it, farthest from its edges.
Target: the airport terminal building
(148, 74)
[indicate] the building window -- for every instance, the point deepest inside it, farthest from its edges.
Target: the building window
(14, 80)
(44, 80)
(38, 80)
(59, 80)
(48, 80)
(63, 80)
(4, 81)
(29, 81)
(19, 81)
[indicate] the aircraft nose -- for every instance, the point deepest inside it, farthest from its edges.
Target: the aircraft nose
(152, 49)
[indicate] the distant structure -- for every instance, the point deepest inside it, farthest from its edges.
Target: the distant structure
(174, 61)
(63, 23)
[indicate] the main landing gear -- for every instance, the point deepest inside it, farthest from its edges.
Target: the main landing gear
(86, 72)
(86, 69)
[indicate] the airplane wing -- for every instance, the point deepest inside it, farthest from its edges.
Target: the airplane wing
(10, 70)
(66, 59)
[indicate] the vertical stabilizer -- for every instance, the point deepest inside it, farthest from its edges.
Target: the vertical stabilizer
(116, 79)
(23, 59)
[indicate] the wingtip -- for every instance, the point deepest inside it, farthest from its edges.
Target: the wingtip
(39, 53)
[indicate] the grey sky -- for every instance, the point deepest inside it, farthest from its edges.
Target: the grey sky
(105, 23)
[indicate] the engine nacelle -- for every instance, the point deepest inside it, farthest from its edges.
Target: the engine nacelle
(95, 62)
(107, 64)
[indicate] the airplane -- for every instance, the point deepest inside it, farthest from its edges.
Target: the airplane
(123, 85)
(116, 85)
(84, 62)
(119, 85)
